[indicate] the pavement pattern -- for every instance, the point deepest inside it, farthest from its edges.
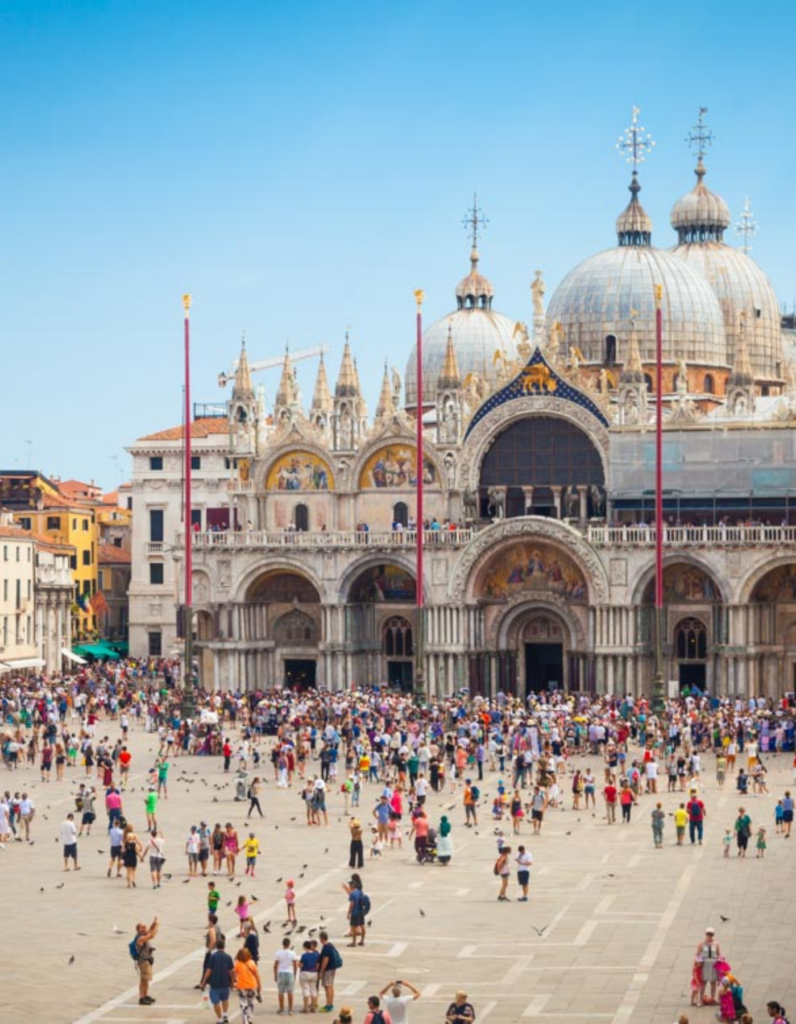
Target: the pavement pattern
(608, 934)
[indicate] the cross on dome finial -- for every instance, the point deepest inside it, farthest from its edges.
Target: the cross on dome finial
(700, 136)
(746, 227)
(475, 221)
(635, 142)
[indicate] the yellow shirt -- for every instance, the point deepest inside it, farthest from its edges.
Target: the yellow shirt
(680, 818)
(252, 847)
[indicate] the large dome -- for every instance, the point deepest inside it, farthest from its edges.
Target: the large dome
(700, 218)
(477, 331)
(597, 300)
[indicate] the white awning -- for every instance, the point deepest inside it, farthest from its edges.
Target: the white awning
(71, 656)
(11, 664)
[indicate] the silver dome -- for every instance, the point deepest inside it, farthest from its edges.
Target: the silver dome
(477, 335)
(596, 301)
(740, 285)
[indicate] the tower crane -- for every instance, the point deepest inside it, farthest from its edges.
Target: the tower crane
(273, 361)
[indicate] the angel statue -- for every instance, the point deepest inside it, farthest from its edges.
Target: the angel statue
(537, 291)
(396, 388)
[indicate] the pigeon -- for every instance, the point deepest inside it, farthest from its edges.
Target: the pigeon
(723, 919)
(116, 930)
(229, 903)
(540, 931)
(186, 881)
(301, 875)
(304, 866)
(325, 851)
(255, 899)
(280, 878)
(238, 885)
(42, 889)
(292, 819)
(168, 877)
(301, 928)
(60, 886)
(370, 924)
(71, 960)
(567, 833)
(312, 931)
(422, 912)
(100, 852)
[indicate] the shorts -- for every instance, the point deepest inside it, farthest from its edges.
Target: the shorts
(537, 815)
(681, 830)
(285, 982)
(523, 877)
(203, 856)
(309, 983)
(219, 995)
(70, 850)
(145, 970)
(88, 818)
(787, 816)
(328, 978)
(155, 864)
(193, 858)
(116, 853)
(357, 921)
(250, 862)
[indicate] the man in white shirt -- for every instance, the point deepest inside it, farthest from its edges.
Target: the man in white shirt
(396, 1003)
(69, 841)
(524, 860)
(285, 966)
(26, 811)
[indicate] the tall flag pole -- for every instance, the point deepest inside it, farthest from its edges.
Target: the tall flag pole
(188, 524)
(658, 691)
(420, 626)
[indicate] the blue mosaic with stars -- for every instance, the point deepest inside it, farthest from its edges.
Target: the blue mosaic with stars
(527, 385)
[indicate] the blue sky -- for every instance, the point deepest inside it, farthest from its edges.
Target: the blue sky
(300, 167)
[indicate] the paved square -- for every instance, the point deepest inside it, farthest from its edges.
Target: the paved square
(608, 934)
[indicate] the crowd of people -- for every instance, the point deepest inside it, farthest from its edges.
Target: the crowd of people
(384, 754)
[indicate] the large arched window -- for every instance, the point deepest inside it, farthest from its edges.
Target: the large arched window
(400, 513)
(544, 451)
(709, 384)
(398, 637)
(301, 518)
(691, 640)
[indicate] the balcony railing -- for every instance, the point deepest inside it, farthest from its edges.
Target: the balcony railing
(393, 539)
(691, 536)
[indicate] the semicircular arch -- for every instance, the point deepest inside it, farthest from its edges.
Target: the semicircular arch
(284, 564)
(757, 575)
(297, 448)
(646, 576)
(520, 609)
(362, 469)
(356, 570)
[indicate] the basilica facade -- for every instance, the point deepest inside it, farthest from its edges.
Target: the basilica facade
(538, 474)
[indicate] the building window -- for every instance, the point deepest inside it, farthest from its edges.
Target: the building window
(129, 504)
(648, 382)
(709, 384)
(155, 645)
(85, 525)
(86, 558)
(156, 524)
(5, 590)
(25, 523)
(87, 587)
(155, 462)
(400, 513)
(30, 586)
(196, 462)
(117, 542)
(156, 573)
(18, 604)
(610, 349)
(101, 575)
(53, 522)
(73, 562)
(301, 518)
(230, 463)
(196, 518)
(18, 558)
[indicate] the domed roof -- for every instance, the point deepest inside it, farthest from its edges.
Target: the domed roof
(741, 286)
(475, 289)
(477, 335)
(700, 215)
(597, 300)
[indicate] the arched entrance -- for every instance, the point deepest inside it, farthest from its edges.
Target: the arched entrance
(542, 648)
(287, 611)
(545, 466)
(379, 610)
(691, 651)
(772, 632)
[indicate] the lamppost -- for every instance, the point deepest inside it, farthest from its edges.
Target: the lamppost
(658, 689)
(188, 706)
(420, 624)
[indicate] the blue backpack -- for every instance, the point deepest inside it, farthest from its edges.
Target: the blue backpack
(133, 947)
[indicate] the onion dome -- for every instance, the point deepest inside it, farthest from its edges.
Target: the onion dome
(474, 291)
(700, 215)
(633, 225)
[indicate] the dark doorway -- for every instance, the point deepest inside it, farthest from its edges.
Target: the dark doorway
(692, 675)
(300, 673)
(302, 518)
(399, 675)
(515, 502)
(400, 513)
(544, 667)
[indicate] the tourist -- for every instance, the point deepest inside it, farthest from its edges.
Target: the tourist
(396, 1004)
(524, 861)
(538, 807)
(743, 830)
(308, 976)
(144, 959)
(460, 1010)
(356, 849)
(285, 968)
(68, 841)
(27, 811)
(761, 842)
(444, 841)
(658, 816)
(132, 852)
(253, 794)
(231, 849)
(329, 964)
(220, 975)
(192, 851)
(375, 1014)
(787, 813)
(155, 846)
(776, 1012)
(358, 908)
(420, 831)
(503, 871)
(708, 951)
(696, 818)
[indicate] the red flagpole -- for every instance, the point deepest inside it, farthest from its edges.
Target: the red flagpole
(188, 524)
(658, 692)
(419, 672)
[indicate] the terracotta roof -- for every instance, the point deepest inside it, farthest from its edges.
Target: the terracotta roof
(110, 553)
(65, 502)
(111, 498)
(206, 427)
(15, 533)
(43, 541)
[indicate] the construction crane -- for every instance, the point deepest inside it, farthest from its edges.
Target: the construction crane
(269, 364)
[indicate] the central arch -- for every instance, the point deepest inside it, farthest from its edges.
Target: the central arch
(285, 609)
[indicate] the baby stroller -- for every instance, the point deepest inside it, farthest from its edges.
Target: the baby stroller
(431, 846)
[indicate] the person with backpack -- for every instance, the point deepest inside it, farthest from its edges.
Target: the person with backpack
(777, 1012)
(472, 795)
(142, 953)
(375, 1014)
(358, 909)
(329, 964)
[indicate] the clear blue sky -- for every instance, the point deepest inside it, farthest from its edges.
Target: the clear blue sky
(303, 166)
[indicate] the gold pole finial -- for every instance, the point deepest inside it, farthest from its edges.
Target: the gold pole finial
(658, 295)
(186, 303)
(419, 296)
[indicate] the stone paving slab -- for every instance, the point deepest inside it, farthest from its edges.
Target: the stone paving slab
(619, 919)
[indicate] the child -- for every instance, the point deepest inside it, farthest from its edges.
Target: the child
(290, 901)
(726, 1001)
(394, 830)
(761, 842)
(376, 844)
(680, 821)
(213, 897)
(252, 848)
(696, 981)
(497, 809)
(501, 840)
(242, 910)
(727, 842)
(779, 816)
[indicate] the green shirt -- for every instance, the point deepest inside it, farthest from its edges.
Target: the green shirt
(151, 802)
(212, 900)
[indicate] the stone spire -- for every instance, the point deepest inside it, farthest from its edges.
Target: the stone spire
(385, 409)
(322, 397)
(631, 399)
(285, 392)
(742, 369)
(348, 380)
(243, 389)
(449, 375)
(633, 371)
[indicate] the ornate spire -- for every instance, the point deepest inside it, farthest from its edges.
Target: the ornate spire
(742, 375)
(385, 409)
(347, 381)
(633, 369)
(284, 394)
(243, 389)
(746, 227)
(633, 226)
(322, 396)
(449, 378)
(474, 291)
(700, 215)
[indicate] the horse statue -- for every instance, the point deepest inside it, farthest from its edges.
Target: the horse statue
(496, 504)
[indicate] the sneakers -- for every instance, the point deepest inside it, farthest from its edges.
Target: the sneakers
(146, 1001)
